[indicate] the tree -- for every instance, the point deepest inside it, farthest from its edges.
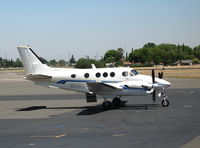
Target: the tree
(163, 53)
(113, 55)
(197, 52)
(83, 63)
(156, 58)
(86, 63)
(98, 64)
(118, 63)
(52, 62)
(1, 62)
(168, 53)
(146, 55)
(110, 60)
(18, 63)
(135, 56)
(120, 53)
(72, 60)
(149, 45)
(126, 56)
(62, 62)
(195, 61)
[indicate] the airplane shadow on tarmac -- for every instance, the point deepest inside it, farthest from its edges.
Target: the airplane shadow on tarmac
(91, 110)
(98, 109)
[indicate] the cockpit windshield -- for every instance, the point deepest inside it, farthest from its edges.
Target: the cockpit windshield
(134, 72)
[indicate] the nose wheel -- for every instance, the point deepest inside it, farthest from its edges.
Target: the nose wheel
(165, 102)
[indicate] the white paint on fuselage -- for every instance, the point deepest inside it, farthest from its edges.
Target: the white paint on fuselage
(66, 73)
(75, 79)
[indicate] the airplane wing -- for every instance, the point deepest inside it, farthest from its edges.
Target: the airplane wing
(100, 87)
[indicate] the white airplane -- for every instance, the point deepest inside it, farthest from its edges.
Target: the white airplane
(107, 82)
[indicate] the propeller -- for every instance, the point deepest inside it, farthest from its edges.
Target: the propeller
(153, 76)
(153, 81)
(160, 75)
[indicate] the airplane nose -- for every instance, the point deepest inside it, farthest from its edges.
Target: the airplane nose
(168, 83)
(164, 83)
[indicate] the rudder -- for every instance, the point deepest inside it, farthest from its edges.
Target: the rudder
(31, 61)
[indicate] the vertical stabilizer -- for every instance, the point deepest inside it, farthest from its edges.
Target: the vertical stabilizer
(31, 61)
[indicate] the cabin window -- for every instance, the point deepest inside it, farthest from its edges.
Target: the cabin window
(98, 74)
(86, 75)
(112, 74)
(73, 76)
(125, 73)
(105, 74)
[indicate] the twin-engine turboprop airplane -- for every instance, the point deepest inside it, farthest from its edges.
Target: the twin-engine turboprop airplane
(107, 82)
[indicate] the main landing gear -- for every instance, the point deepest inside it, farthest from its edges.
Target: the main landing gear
(116, 103)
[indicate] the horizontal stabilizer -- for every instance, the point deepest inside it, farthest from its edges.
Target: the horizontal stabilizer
(37, 76)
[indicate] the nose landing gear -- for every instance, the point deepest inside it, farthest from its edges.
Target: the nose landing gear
(165, 102)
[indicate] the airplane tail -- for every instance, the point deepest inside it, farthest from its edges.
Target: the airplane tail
(31, 62)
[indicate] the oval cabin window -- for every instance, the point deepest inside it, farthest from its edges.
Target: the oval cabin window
(73, 76)
(125, 73)
(86, 75)
(112, 74)
(98, 74)
(105, 74)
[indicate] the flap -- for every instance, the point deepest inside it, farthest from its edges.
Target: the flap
(103, 87)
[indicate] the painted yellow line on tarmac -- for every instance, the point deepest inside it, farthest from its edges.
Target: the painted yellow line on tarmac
(119, 135)
(60, 136)
(49, 136)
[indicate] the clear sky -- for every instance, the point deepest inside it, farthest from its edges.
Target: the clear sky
(59, 28)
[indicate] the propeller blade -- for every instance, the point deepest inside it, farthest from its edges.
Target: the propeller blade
(153, 81)
(160, 75)
(154, 96)
(153, 76)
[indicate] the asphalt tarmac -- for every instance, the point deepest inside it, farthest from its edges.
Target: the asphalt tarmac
(68, 121)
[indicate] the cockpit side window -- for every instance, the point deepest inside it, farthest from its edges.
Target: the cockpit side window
(134, 72)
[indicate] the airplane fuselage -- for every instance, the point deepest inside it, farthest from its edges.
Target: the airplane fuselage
(107, 82)
(127, 82)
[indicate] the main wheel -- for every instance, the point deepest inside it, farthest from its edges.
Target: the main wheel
(165, 103)
(107, 105)
(116, 102)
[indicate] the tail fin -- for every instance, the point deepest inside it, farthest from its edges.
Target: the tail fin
(31, 61)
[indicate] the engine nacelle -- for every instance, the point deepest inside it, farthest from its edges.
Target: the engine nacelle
(137, 84)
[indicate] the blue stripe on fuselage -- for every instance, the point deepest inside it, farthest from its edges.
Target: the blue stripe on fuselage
(63, 81)
(90, 81)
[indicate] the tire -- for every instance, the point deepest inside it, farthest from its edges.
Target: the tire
(165, 103)
(107, 105)
(116, 102)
